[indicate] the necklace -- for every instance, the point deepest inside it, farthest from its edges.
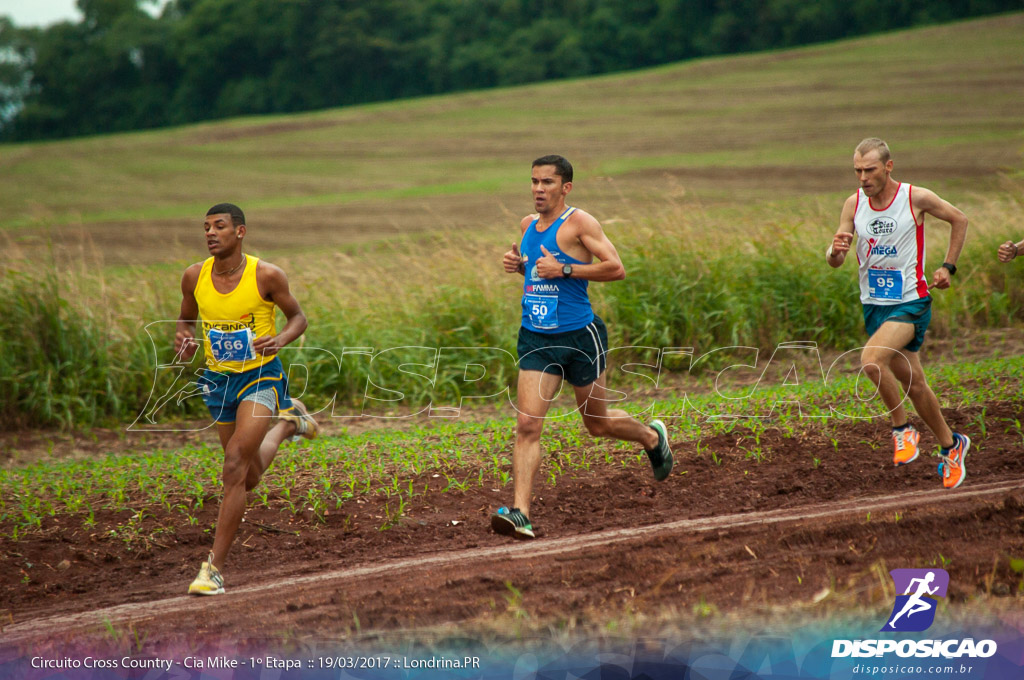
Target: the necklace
(232, 270)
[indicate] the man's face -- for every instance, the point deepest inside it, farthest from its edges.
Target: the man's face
(548, 188)
(221, 234)
(872, 173)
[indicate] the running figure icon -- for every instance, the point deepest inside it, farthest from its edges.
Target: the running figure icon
(917, 603)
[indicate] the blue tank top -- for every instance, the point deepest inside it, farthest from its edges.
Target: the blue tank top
(552, 305)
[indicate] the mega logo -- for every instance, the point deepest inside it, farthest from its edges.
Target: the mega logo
(882, 225)
(884, 251)
(914, 610)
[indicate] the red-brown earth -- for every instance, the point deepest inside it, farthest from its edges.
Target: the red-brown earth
(716, 538)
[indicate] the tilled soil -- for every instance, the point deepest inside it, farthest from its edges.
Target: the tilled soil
(817, 523)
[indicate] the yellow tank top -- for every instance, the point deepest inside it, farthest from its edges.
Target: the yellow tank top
(230, 321)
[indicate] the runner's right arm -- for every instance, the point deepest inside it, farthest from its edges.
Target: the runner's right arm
(185, 345)
(841, 240)
(513, 260)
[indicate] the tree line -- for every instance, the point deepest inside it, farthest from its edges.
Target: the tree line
(121, 68)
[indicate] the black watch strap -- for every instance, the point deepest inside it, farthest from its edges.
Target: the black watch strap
(950, 267)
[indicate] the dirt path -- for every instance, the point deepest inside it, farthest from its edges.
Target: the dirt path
(815, 524)
(434, 569)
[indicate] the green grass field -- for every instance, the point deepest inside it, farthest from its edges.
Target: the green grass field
(719, 180)
(952, 116)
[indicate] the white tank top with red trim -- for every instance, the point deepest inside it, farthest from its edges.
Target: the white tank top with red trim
(890, 250)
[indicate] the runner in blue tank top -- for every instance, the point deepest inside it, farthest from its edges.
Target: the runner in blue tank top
(560, 336)
(888, 218)
(555, 305)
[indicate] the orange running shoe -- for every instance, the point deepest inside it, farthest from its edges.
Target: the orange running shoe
(953, 467)
(906, 445)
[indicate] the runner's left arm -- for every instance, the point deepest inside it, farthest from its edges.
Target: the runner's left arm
(609, 266)
(929, 202)
(1009, 250)
(273, 285)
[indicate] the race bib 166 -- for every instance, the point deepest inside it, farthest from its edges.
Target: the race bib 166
(231, 345)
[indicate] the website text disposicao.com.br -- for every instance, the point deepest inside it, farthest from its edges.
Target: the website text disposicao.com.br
(903, 670)
(955, 652)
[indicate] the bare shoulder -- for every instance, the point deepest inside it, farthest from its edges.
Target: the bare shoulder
(923, 197)
(190, 277)
(849, 208)
(525, 223)
(270, 273)
(583, 222)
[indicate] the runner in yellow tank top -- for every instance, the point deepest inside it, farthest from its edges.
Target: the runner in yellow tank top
(244, 384)
(239, 310)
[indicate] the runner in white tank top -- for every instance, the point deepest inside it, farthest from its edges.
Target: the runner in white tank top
(888, 219)
(890, 249)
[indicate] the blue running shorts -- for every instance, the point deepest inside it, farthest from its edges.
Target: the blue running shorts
(224, 392)
(917, 312)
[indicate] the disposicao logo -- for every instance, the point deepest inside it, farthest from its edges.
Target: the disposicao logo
(917, 593)
(915, 609)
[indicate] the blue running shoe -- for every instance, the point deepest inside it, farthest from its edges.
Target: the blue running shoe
(660, 455)
(512, 522)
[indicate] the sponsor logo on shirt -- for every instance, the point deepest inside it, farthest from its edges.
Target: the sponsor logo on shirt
(881, 226)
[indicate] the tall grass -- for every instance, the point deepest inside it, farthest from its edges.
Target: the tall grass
(708, 283)
(59, 365)
(731, 264)
(76, 351)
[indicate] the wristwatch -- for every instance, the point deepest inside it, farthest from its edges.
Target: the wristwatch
(566, 271)
(950, 267)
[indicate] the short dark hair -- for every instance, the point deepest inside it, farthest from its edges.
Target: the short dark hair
(237, 216)
(563, 168)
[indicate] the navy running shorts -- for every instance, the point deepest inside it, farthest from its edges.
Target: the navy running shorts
(579, 356)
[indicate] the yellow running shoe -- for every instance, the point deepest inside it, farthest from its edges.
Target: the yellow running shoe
(305, 426)
(209, 581)
(953, 467)
(906, 445)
